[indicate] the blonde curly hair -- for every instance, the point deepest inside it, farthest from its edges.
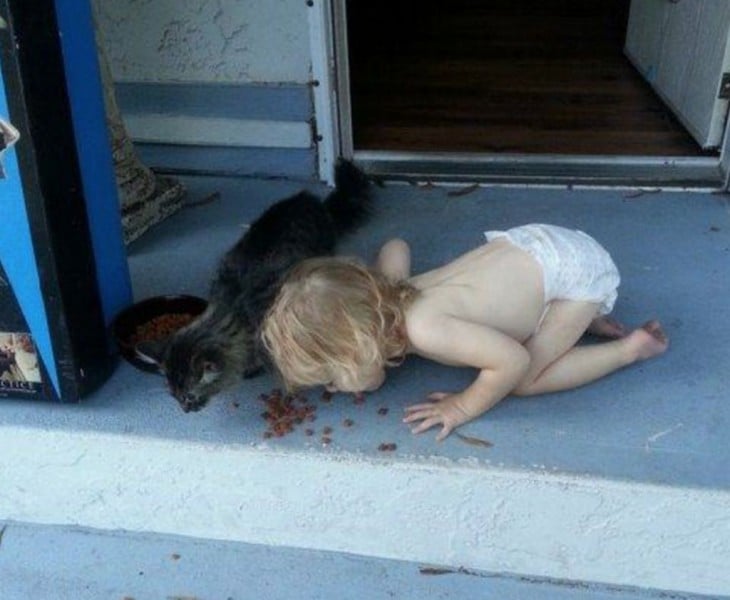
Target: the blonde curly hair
(335, 317)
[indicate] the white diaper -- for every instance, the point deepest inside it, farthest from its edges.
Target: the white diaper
(574, 265)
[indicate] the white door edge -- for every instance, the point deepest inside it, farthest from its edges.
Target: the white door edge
(324, 90)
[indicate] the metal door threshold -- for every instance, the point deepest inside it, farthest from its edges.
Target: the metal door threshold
(599, 171)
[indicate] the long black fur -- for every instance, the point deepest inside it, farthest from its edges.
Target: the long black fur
(221, 346)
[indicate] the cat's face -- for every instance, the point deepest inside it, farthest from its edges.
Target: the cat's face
(194, 371)
(192, 379)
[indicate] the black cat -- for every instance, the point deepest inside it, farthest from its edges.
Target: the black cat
(221, 346)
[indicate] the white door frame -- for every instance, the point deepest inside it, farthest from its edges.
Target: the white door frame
(333, 115)
(324, 89)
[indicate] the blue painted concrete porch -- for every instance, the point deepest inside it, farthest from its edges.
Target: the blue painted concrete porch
(622, 483)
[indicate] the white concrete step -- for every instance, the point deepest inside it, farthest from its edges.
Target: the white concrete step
(460, 514)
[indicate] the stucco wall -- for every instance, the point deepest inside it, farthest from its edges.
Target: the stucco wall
(214, 85)
(221, 41)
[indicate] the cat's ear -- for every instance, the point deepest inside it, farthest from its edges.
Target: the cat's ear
(151, 351)
(211, 371)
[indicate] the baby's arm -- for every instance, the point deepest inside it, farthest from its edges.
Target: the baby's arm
(502, 361)
(394, 260)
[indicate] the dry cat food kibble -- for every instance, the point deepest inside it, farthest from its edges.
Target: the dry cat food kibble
(159, 327)
(387, 447)
(383, 410)
(285, 411)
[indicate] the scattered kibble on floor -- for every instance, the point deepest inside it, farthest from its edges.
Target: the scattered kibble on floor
(284, 412)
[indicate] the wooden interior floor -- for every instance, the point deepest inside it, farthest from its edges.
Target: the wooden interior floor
(503, 76)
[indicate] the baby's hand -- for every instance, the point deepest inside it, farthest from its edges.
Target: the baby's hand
(444, 409)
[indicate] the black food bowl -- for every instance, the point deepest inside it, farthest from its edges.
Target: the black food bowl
(150, 320)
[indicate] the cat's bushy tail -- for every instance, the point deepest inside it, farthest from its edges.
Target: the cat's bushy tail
(350, 203)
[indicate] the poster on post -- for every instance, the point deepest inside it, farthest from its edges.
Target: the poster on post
(20, 372)
(8, 136)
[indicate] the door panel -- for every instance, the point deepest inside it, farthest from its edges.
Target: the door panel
(710, 61)
(647, 23)
(680, 47)
(679, 37)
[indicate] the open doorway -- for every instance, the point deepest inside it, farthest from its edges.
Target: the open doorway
(510, 84)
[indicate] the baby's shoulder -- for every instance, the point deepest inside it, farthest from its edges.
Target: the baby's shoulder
(425, 323)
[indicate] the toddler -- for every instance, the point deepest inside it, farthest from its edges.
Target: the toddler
(513, 308)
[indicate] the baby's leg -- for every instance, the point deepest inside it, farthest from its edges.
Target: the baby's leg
(563, 325)
(605, 326)
(557, 364)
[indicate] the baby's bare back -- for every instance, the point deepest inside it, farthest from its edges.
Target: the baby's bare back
(497, 285)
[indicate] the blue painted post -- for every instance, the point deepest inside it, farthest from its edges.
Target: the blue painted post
(83, 78)
(61, 244)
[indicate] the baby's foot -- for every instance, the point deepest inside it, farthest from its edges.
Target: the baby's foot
(607, 327)
(648, 341)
